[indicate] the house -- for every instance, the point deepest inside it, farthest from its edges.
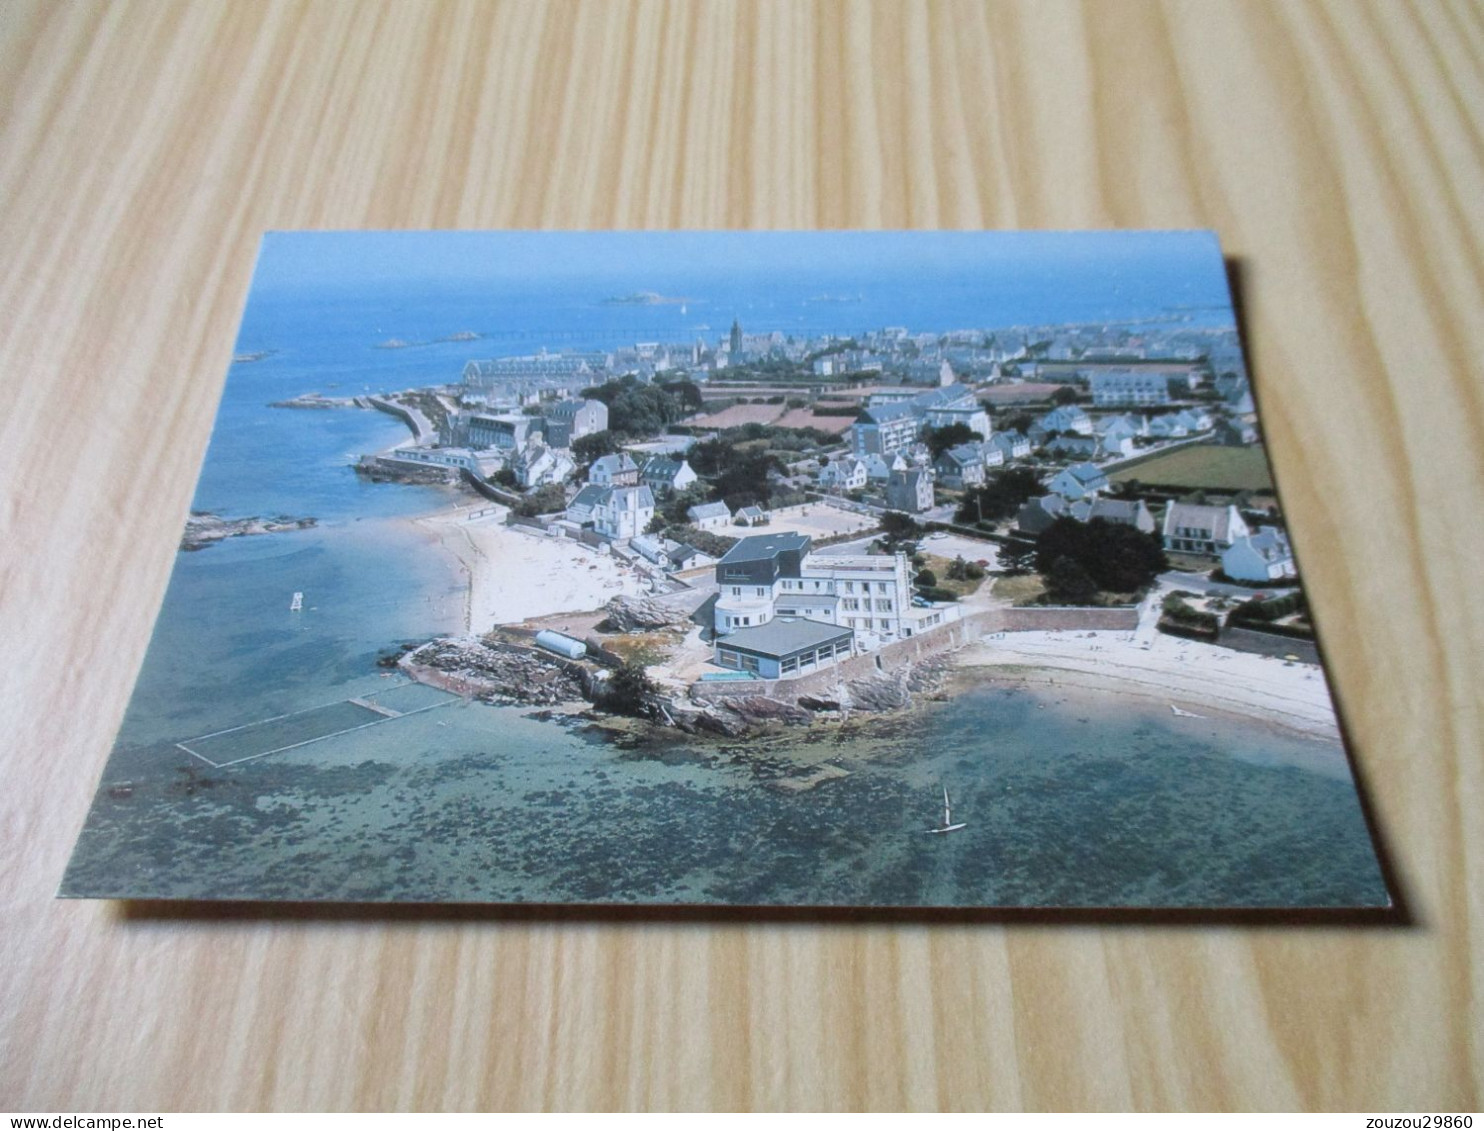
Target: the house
(614, 471)
(1122, 511)
(615, 512)
(1037, 514)
(580, 509)
(1194, 419)
(1013, 445)
(666, 475)
(961, 466)
(1078, 481)
(1264, 556)
(1191, 528)
(623, 512)
(910, 491)
(709, 516)
(751, 516)
(1115, 429)
(1126, 387)
(1067, 418)
(667, 553)
(845, 474)
(568, 420)
(1075, 447)
(1170, 427)
(1235, 433)
(683, 556)
(940, 408)
(930, 373)
(539, 465)
(879, 468)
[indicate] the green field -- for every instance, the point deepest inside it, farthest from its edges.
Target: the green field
(1205, 467)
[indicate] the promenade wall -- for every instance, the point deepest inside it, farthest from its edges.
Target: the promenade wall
(902, 654)
(1269, 644)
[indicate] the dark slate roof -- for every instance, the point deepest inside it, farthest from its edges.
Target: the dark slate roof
(1086, 472)
(880, 414)
(589, 496)
(761, 547)
(784, 636)
(708, 510)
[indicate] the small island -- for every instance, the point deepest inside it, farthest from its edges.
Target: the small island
(644, 298)
(203, 528)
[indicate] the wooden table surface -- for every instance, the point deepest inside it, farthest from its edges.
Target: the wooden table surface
(1338, 148)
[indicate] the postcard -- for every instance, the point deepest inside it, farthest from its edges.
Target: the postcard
(727, 569)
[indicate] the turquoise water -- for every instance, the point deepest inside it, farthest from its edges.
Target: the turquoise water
(1070, 799)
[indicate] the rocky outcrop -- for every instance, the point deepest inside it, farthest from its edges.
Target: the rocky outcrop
(500, 673)
(380, 470)
(640, 614)
(203, 528)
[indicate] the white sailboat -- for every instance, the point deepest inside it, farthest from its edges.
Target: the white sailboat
(297, 603)
(1185, 714)
(948, 826)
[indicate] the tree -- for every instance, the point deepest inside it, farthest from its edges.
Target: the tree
(1117, 558)
(1018, 557)
(1068, 583)
(958, 569)
(677, 507)
(898, 527)
(1064, 396)
(939, 440)
(505, 478)
(630, 691)
(543, 500)
(1000, 496)
(595, 445)
(927, 578)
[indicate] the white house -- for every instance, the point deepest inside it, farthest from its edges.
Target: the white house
(1067, 418)
(539, 465)
(709, 516)
(623, 512)
(1013, 445)
(1079, 481)
(844, 474)
(614, 471)
(1190, 528)
(1264, 556)
(666, 475)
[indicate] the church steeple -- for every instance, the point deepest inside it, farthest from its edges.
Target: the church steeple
(736, 339)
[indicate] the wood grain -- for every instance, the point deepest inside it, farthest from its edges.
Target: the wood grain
(1337, 147)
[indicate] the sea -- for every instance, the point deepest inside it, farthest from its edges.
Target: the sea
(1070, 798)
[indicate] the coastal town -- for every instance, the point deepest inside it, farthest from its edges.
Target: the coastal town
(762, 528)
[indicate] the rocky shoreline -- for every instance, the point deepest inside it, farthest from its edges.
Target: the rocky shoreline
(509, 674)
(204, 528)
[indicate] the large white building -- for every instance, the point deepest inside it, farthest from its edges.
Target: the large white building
(889, 424)
(770, 576)
(1128, 387)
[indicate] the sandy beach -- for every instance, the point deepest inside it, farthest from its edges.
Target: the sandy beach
(516, 573)
(1185, 674)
